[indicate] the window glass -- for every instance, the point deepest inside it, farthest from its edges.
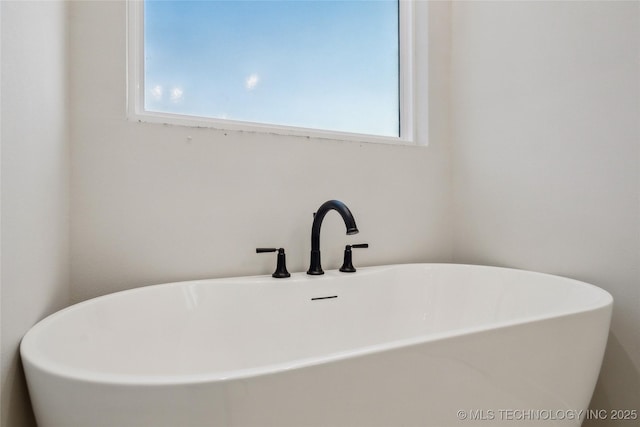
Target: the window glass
(319, 64)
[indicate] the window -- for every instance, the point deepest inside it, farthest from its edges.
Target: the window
(297, 66)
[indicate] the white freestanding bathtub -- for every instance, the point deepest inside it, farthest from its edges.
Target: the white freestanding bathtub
(429, 345)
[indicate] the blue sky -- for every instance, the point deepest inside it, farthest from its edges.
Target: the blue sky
(309, 63)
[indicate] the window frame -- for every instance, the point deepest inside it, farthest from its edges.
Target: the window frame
(407, 101)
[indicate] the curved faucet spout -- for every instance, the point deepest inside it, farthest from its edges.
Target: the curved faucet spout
(315, 267)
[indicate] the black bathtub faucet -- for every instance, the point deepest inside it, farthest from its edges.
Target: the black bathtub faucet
(315, 267)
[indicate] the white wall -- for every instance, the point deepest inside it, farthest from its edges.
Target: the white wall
(546, 154)
(156, 203)
(35, 187)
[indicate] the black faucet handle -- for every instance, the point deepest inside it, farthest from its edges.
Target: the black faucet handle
(347, 264)
(263, 250)
(281, 269)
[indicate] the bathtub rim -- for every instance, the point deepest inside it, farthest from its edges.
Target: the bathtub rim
(27, 350)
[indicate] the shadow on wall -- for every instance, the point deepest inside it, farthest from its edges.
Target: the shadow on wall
(618, 387)
(17, 412)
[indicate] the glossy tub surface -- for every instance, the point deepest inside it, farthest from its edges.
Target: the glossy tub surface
(397, 345)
